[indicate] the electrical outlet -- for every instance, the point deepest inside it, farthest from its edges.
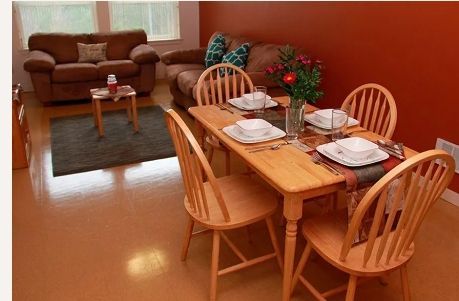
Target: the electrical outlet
(450, 148)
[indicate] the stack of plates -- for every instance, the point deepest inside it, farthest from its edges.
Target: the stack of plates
(312, 119)
(235, 132)
(242, 104)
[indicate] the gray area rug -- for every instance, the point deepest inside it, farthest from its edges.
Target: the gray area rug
(77, 147)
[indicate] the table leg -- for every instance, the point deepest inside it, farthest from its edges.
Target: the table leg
(129, 109)
(293, 210)
(94, 111)
(134, 113)
(100, 123)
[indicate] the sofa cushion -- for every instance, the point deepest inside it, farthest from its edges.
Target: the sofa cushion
(61, 46)
(187, 80)
(74, 72)
(92, 53)
(215, 51)
(121, 68)
(174, 70)
(237, 57)
(261, 56)
(119, 43)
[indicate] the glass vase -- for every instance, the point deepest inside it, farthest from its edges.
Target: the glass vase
(294, 119)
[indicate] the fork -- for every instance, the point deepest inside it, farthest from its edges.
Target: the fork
(223, 107)
(317, 159)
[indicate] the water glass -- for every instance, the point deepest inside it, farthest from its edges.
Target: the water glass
(259, 100)
(339, 124)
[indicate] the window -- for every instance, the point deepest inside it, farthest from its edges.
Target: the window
(71, 17)
(159, 19)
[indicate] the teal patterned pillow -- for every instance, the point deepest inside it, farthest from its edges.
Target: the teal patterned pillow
(237, 57)
(215, 51)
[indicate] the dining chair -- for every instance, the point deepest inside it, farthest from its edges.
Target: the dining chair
(219, 204)
(411, 189)
(216, 85)
(374, 107)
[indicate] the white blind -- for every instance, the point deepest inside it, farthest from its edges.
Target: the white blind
(159, 19)
(71, 17)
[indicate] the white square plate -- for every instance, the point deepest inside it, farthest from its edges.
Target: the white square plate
(310, 118)
(234, 132)
(240, 103)
(331, 151)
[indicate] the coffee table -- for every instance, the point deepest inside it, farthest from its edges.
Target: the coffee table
(103, 94)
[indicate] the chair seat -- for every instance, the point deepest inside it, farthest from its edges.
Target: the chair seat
(326, 234)
(247, 202)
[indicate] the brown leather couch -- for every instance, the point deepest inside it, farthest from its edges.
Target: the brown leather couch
(183, 68)
(57, 75)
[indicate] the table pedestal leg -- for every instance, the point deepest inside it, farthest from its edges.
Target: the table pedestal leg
(293, 210)
(129, 109)
(94, 111)
(134, 114)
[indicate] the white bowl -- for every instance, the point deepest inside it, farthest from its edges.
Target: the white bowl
(249, 100)
(356, 148)
(325, 117)
(254, 127)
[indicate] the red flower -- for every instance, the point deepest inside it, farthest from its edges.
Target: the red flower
(270, 70)
(289, 78)
(280, 67)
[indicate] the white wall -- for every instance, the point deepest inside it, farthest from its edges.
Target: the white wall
(189, 26)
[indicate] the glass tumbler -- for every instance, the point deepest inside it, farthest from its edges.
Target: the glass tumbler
(259, 100)
(338, 124)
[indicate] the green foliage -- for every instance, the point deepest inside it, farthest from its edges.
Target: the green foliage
(303, 75)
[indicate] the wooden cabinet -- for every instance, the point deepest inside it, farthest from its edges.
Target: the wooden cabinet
(21, 136)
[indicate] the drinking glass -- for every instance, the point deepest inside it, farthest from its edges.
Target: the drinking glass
(259, 100)
(339, 124)
(293, 122)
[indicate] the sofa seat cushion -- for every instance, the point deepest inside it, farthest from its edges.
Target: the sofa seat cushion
(74, 72)
(121, 68)
(174, 70)
(187, 80)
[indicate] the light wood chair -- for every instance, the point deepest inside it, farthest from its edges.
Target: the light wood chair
(213, 88)
(219, 204)
(375, 108)
(389, 247)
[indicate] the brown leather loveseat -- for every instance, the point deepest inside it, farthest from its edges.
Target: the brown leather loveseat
(183, 67)
(57, 75)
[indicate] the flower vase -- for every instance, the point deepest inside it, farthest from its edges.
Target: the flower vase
(294, 122)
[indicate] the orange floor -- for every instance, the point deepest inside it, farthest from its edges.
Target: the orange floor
(115, 234)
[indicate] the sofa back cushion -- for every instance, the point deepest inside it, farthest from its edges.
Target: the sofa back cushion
(119, 43)
(261, 56)
(61, 46)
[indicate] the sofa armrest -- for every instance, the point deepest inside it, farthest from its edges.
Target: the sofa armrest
(190, 56)
(143, 54)
(39, 61)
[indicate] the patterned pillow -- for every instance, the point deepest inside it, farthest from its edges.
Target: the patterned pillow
(237, 57)
(92, 53)
(215, 51)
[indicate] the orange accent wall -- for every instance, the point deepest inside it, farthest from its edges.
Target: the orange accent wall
(410, 48)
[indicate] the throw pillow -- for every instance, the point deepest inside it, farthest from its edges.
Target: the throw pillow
(237, 57)
(92, 53)
(215, 51)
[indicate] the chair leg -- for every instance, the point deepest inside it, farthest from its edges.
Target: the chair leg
(301, 265)
(351, 288)
(214, 266)
(186, 241)
(274, 241)
(227, 163)
(405, 285)
(210, 153)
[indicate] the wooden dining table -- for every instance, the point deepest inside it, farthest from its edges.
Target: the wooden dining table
(288, 169)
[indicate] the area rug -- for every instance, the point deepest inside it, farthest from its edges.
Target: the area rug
(77, 147)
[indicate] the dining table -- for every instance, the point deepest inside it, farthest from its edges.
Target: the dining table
(288, 169)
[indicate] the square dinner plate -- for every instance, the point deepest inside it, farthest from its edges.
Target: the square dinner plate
(331, 151)
(241, 104)
(234, 132)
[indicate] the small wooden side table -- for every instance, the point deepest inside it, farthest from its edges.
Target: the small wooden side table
(123, 92)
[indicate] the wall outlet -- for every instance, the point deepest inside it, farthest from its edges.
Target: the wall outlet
(450, 148)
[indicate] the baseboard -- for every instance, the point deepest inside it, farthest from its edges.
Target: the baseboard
(451, 197)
